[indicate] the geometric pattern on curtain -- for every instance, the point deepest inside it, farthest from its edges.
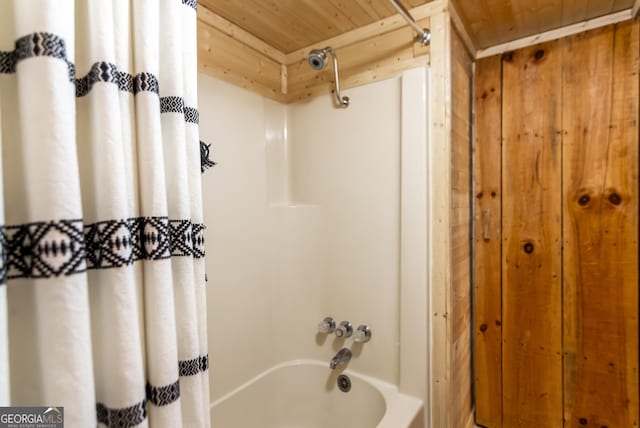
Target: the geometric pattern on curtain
(65, 247)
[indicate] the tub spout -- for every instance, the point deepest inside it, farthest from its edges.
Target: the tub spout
(342, 358)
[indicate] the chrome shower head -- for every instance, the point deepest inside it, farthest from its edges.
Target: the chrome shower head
(317, 59)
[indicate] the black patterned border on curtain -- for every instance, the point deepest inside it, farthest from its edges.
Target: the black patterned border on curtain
(181, 238)
(107, 72)
(191, 115)
(194, 366)
(44, 249)
(163, 395)
(67, 247)
(175, 104)
(34, 45)
(51, 45)
(198, 240)
(157, 395)
(3, 256)
(122, 418)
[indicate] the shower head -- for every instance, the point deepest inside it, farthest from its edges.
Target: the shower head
(317, 59)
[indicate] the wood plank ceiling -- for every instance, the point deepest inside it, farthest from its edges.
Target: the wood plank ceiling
(492, 22)
(289, 25)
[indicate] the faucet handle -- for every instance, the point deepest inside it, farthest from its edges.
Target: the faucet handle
(363, 334)
(345, 329)
(327, 325)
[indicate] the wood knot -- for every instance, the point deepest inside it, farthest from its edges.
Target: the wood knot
(483, 328)
(615, 199)
(528, 248)
(583, 421)
(584, 200)
(539, 54)
(507, 56)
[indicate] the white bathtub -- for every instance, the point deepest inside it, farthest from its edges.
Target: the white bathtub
(304, 394)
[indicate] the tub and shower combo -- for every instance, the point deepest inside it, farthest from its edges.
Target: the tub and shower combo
(310, 393)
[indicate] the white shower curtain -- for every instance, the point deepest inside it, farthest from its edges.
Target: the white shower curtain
(101, 229)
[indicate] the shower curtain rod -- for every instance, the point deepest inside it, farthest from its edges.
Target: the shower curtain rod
(424, 35)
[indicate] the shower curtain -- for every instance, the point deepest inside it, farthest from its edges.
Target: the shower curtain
(101, 229)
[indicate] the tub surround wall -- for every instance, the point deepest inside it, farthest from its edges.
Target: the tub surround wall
(234, 192)
(303, 215)
(259, 252)
(347, 162)
(414, 234)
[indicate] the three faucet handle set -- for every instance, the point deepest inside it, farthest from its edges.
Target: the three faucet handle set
(345, 329)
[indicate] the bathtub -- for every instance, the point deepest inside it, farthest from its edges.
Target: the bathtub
(304, 394)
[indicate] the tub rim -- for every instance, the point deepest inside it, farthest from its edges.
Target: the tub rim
(398, 405)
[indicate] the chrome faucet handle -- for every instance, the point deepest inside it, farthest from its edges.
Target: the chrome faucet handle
(362, 334)
(327, 325)
(345, 329)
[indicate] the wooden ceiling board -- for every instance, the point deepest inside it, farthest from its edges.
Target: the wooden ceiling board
(370, 8)
(492, 22)
(289, 25)
(600, 8)
(490, 18)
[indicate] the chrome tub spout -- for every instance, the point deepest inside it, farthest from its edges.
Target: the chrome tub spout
(342, 358)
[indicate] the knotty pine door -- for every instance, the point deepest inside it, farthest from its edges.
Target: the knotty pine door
(556, 233)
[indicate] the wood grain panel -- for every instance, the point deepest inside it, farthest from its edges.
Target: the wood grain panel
(440, 223)
(574, 10)
(461, 379)
(377, 51)
(492, 22)
(362, 62)
(205, 16)
(228, 59)
(600, 170)
(531, 259)
(288, 25)
(487, 188)
(375, 29)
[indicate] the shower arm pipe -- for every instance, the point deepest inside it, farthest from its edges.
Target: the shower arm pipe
(424, 35)
(342, 101)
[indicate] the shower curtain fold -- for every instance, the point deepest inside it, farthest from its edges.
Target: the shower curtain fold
(102, 240)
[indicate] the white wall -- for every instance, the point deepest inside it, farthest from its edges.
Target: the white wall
(303, 221)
